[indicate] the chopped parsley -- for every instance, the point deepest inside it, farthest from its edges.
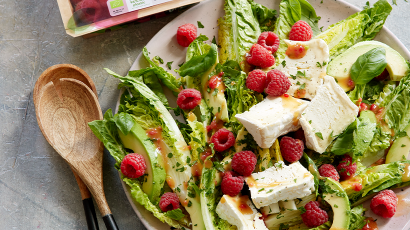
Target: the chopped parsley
(319, 134)
(169, 64)
(200, 25)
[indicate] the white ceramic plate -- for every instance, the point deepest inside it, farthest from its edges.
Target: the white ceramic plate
(164, 44)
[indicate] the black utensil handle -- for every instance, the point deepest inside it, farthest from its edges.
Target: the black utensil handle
(110, 222)
(90, 215)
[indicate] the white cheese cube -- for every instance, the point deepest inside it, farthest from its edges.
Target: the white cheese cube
(270, 209)
(272, 117)
(287, 205)
(258, 223)
(312, 68)
(280, 183)
(328, 114)
(238, 211)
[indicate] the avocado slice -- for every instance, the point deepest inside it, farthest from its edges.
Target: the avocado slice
(340, 67)
(138, 141)
(400, 148)
(338, 199)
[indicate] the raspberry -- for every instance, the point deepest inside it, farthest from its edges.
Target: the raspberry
(269, 41)
(300, 134)
(328, 170)
(169, 201)
(231, 184)
(259, 56)
(133, 165)
(256, 80)
(291, 149)
(384, 204)
(300, 31)
(223, 139)
(189, 98)
(89, 10)
(346, 168)
(314, 215)
(186, 34)
(244, 163)
(278, 83)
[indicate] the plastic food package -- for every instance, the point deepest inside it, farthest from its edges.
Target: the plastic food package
(81, 17)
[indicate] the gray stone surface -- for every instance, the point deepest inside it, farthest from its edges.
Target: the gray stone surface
(37, 188)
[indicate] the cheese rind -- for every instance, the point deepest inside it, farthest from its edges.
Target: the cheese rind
(318, 52)
(328, 114)
(272, 117)
(280, 183)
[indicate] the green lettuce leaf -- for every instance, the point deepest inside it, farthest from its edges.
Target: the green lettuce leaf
(375, 179)
(292, 11)
(149, 112)
(211, 196)
(266, 17)
(197, 48)
(139, 196)
(357, 218)
(397, 106)
(238, 31)
(149, 77)
(166, 78)
(239, 97)
(361, 26)
(387, 90)
(106, 130)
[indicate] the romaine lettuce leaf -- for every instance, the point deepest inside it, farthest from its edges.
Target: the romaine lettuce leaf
(166, 78)
(238, 31)
(374, 179)
(265, 16)
(106, 130)
(292, 11)
(149, 77)
(149, 112)
(211, 196)
(196, 48)
(397, 106)
(357, 218)
(139, 196)
(240, 98)
(361, 26)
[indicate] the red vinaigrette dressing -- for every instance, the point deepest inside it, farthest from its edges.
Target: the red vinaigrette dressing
(243, 207)
(296, 51)
(156, 134)
(370, 224)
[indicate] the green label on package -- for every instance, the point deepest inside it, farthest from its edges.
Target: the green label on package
(118, 7)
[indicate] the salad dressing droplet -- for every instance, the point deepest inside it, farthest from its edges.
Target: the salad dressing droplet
(296, 51)
(290, 102)
(406, 174)
(243, 207)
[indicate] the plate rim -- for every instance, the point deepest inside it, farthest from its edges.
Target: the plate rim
(403, 51)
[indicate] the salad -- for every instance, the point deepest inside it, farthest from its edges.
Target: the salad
(281, 124)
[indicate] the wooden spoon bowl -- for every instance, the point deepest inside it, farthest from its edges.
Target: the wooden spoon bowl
(54, 74)
(64, 107)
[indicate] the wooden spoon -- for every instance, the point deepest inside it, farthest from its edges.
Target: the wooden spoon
(54, 74)
(63, 112)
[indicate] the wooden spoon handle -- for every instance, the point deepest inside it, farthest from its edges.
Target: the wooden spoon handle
(110, 222)
(89, 210)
